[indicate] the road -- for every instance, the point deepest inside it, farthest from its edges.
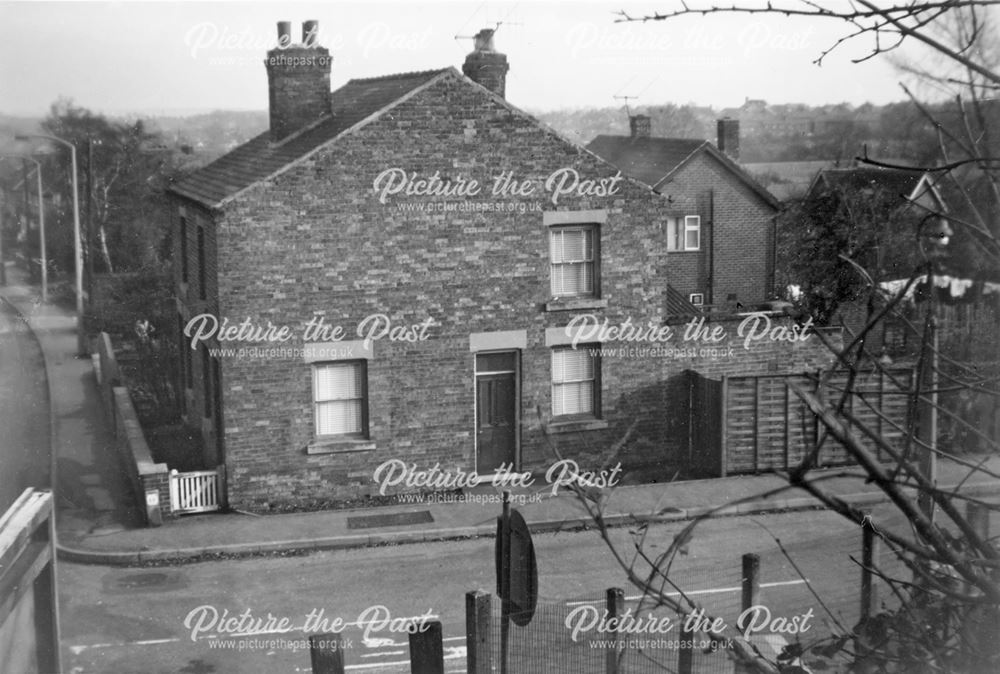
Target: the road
(24, 409)
(163, 619)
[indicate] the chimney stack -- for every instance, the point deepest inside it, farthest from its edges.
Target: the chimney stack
(640, 126)
(728, 139)
(298, 78)
(486, 66)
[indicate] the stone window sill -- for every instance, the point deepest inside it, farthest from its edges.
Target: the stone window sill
(577, 425)
(340, 446)
(576, 304)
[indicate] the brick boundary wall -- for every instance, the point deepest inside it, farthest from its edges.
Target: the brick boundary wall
(130, 442)
(144, 474)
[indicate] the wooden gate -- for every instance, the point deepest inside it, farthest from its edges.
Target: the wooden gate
(194, 492)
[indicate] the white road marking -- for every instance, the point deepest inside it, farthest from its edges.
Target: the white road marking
(382, 654)
(714, 590)
(451, 653)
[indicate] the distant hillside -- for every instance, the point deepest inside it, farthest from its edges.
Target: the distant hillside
(212, 134)
(771, 133)
(12, 125)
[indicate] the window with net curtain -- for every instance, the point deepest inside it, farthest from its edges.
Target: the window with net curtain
(340, 399)
(575, 381)
(572, 252)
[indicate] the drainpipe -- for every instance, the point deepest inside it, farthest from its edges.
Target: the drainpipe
(774, 259)
(711, 248)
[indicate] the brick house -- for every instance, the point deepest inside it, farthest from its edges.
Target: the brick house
(722, 228)
(393, 267)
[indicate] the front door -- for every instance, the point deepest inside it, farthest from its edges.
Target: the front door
(496, 411)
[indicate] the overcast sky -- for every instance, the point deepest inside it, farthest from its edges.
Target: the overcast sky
(147, 57)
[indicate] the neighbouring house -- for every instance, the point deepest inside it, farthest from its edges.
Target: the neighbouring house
(721, 227)
(915, 189)
(879, 211)
(412, 269)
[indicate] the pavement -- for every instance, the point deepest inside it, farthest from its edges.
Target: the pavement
(98, 523)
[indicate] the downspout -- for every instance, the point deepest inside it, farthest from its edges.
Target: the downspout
(774, 260)
(711, 248)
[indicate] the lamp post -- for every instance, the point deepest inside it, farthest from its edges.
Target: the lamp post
(77, 244)
(3, 266)
(41, 223)
(933, 241)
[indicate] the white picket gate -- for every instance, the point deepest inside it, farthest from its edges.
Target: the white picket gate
(194, 492)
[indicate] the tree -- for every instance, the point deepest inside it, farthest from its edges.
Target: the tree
(825, 235)
(947, 607)
(123, 172)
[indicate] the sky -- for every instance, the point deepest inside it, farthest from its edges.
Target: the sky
(184, 57)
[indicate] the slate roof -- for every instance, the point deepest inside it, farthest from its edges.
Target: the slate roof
(894, 181)
(260, 158)
(648, 159)
(653, 160)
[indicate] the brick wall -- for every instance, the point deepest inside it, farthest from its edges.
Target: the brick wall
(743, 235)
(316, 241)
(135, 457)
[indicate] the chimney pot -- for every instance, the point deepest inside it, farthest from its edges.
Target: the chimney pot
(640, 126)
(310, 33)
(484, 40)
(284, 33)
(486, 66)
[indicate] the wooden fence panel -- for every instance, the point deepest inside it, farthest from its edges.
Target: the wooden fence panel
(772, 423)
(741, 425)
(768, 427)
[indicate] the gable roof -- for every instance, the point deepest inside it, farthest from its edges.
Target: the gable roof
(908, 184)
(655, 161)
(648, 159)
(259, 158)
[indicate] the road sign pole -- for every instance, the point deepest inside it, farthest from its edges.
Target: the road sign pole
(504, 582)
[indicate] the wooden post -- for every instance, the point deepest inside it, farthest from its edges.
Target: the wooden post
(723, 425)
(427, 650)
(685, 654)
(47, 602)
(614, 600)
(979, 519)
(751, 589)
(478, 632)
(870, 549)
(326, 653)
(751, 580)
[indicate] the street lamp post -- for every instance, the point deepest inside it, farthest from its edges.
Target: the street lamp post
(3, 267)
(41, 224)
(77, 244)
(934, 240)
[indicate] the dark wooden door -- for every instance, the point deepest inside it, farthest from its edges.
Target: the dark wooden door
(496, 421)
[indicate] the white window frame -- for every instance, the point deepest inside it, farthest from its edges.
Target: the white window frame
(697, 299)
(692, 224)
(678, 230)
(595, 380)
(362, 432)
(594, 261)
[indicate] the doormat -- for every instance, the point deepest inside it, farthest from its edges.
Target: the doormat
(389, 520)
